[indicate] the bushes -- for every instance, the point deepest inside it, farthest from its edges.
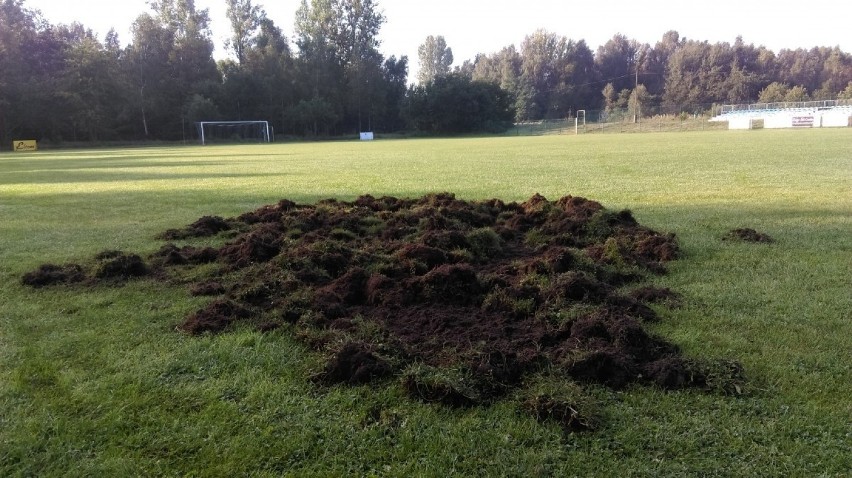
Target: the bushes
(457, 104)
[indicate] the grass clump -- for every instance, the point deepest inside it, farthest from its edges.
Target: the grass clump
(455, 387)
(553, 399)
(484, 243)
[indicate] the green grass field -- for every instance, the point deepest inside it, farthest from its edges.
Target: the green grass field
(99, 382)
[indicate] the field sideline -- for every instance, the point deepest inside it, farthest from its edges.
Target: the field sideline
(98, 382)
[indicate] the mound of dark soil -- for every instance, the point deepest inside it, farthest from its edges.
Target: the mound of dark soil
(207, 288)
(204, 227)
(656, 295)
(216, 316)
(354, 364)
(108, 267)
(747, 235)
(464, 301)
(171, 255)
(117, 265)
(52, 274)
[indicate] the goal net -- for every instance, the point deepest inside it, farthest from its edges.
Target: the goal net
(234, 131)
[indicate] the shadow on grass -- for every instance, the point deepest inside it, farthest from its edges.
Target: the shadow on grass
(38, 164)
(85, 177)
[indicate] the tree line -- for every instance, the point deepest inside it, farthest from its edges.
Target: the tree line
(550, 76)
(61, 83)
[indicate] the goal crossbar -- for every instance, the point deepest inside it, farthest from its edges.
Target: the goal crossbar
(262, 125)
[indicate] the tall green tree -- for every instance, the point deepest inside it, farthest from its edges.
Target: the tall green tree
(836, 74)
(797, 93)
(358, 25)
(170, 60)
(502, 68)
(245, 19)
(751, 69)
(56, 82)
(609, 97)
(395, 78)
(456, 104)
(147, 65)
(435, 59)
(90, 88)
(339, 57)
(17, 30)
(801, 67)
(259, 85)
(846, 93)
(270, 58)
(691, 73)
(701, 73)
(774, 92)
(655, 62)
(360, 22)
(316, 32)
(617, 61)
(556, 76)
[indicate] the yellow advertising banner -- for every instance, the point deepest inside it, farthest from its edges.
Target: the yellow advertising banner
(25, 145)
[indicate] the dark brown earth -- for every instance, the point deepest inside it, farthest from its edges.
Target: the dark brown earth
(52, 274)
(748, 235)
(463, 301)
(656, 295)
(205, 226)
(109, 266)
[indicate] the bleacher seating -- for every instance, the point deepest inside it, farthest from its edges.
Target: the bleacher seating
(828, 113)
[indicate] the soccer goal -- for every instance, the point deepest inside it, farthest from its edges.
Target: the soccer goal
(234, 131)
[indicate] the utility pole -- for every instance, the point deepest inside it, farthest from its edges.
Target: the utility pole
(637, 114)
(636, 91)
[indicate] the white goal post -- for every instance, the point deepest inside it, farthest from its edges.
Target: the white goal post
(577, 121)
(234, 130)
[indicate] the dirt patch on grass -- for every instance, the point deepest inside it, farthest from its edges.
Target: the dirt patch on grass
(209, 288)
(214, 317)
(119, 266)
(463, 301)
(204, 227)
(110, 266)
(52, 274)
(747, 235)
(657, 295)
(354, 363)
(172, 255)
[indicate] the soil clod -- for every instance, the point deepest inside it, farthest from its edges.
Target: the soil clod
(216, 317)
(354, 364)
(203, 227)
(120, 266)
(747, 235)
(207, 289)
(657, 295)
(52, 274)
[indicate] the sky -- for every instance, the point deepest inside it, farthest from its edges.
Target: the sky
(486, 26)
